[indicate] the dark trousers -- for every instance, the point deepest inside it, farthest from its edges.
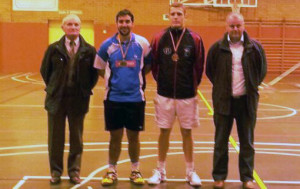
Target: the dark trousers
(56, 138)
(245, 127)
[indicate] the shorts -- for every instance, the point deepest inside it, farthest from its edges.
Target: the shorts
(186, 110)
(130, 115)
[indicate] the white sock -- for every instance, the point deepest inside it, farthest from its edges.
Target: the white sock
(189, 167)
(112, 167)
(161, 165)
(135, 166)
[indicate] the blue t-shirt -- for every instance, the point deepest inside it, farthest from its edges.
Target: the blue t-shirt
(124, 80)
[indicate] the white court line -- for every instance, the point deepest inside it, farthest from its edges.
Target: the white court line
(284, 74)
(15, 78)
(91, 176)
(294, 112)
(25, 178)
(20, 183)
(28, 77)
(10, 75)
(146, 142)
(273, 151)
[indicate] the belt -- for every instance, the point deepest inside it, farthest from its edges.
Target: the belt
(238, 97)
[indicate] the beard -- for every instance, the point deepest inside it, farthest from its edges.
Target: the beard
(124, 32)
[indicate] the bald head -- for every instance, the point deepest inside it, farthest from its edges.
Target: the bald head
(234, 15)
(235, 26)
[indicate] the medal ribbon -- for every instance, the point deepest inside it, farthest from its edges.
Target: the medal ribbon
(121, 48)
(178, 42)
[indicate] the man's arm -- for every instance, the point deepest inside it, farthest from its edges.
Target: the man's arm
(262, 61)
(147, 60)
(98, 64)
(94, 71)
(199, 59)
(263, 70)
(46, 66)
(209, 64)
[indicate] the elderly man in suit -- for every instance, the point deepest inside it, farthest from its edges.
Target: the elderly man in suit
(68, 72)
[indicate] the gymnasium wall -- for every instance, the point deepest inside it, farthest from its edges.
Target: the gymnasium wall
(24, 35)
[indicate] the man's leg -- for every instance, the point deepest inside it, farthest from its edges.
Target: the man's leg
(187, 140)
(163, 145)
(134, 153)
(115, 147)
(223, 126)
(245, 127)
(187, 145)
(56, 142)
(165, 117)
(159, 174)
(76, 146)
(133, 147)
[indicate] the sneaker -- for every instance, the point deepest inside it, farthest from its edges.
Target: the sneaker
(193, 179)
(136, 177)
(109, 179)
(157, 177)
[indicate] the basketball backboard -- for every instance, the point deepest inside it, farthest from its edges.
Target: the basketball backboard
(234, 4)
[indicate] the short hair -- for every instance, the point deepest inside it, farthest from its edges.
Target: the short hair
(70, 16)
(125, 12)
(235, 15)
(178, 5)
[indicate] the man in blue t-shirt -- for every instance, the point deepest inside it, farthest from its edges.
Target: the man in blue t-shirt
(122, 61)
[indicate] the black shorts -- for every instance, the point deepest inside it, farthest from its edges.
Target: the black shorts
(130, 115)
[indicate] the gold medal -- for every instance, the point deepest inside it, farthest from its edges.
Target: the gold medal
(175, 57)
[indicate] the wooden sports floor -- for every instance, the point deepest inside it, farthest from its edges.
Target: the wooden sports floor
(23, 138)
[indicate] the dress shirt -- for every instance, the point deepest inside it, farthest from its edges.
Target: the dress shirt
(238, 79)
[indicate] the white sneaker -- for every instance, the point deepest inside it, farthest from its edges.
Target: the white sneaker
(193, 179)
(157, 177)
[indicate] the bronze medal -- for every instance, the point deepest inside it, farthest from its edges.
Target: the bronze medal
(175, 57)
(123, 63)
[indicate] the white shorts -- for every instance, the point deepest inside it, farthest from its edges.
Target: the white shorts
(186, 110)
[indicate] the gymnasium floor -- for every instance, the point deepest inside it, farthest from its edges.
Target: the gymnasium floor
(23, 138)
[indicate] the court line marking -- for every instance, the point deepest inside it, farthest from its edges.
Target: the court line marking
(234, 144)
(15, 78)
(91, 176)
(10, 75)
(146, 142)
(26, 178)
(211, 111)
(271, 151)
(284, 74)
(149, 88)
(294, 112)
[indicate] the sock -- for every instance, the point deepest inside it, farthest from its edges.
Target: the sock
(135, 166)
(161, 165)
(112, 167)
(189, 167)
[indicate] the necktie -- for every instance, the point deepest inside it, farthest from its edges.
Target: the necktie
(71, 63)
(72, 49)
